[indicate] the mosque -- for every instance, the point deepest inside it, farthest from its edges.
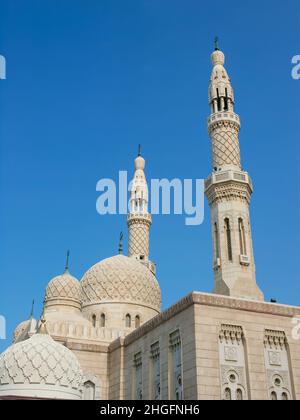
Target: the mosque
(105, 337)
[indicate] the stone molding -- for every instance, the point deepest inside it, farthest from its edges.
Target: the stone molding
(93, 348)
(208, 300)
(228, 191)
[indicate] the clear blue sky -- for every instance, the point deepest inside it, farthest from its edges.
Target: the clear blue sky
(89, 80)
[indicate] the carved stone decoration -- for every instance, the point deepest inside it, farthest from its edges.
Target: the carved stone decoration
(64, 288)
(138, 243)
(275, 339)
(277, 365)
(40, 366)
(233, 383)
(138, 376)
(231, 354)
(91, 387)
(225, 144)
(176, 366)
(233, 369)
(231, 333)
(229, 191)
(274, 358)
(155, 356)
(121, 279)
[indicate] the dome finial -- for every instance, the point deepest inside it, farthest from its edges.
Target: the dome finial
(67, 262)
(216, 43)
(121, 243)
(140, 150)
(32, 308)
(42, 329)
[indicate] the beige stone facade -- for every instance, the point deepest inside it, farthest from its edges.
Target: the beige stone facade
(109, 336)
(200, 319)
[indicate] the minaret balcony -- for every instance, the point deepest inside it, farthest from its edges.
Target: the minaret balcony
(223, 116)
(228, 175)
(139, 215)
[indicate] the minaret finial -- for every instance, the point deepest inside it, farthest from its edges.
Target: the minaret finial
(32, 308)
(140, 150)
(216, 43)
(121, 243)
(67, 261)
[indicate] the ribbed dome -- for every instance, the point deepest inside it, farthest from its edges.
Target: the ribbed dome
(22, 330)
(64, 286)
(40, 367)
(121, 279)
(218, 57)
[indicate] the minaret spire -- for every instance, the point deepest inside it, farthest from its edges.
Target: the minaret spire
(67, 262)
(121, 243)
(216, 43)
(229, 190)
(32, 309)
(139, 219)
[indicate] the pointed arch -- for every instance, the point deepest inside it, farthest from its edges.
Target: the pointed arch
(128, 321)
(137, 321)
(102, 320)
(228, 238)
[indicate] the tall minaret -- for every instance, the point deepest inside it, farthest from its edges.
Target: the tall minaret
(228, 191)
(139, 219)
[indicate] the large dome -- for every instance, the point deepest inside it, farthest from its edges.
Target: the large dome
(40, 367)
(121, 279)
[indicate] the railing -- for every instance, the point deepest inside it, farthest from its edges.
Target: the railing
(231, 116)
(226, 176)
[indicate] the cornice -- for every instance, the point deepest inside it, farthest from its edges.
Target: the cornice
(81, 346)
(207, 299)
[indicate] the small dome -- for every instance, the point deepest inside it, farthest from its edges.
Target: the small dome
(64, 287)
(23, 329)
(139, 163)
(218, 57)
(121, 279)
(40, 368)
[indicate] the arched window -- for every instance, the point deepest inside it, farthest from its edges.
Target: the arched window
(217, 248)
(226, 100)
(88, 390)
(273, 396)
(137, 321)
(284, 396)
(242, 236)
(219, 100)
(102, 320)
(239, 394)
(94, 320)
(228, 237)
(128, 321)
(227, 394)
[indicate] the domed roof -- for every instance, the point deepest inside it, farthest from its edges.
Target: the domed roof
(218, 57)
(121, 279)
(40, 368)
(64, 286)
(22, 330)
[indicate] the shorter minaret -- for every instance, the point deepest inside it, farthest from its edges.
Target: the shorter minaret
(139, 219)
